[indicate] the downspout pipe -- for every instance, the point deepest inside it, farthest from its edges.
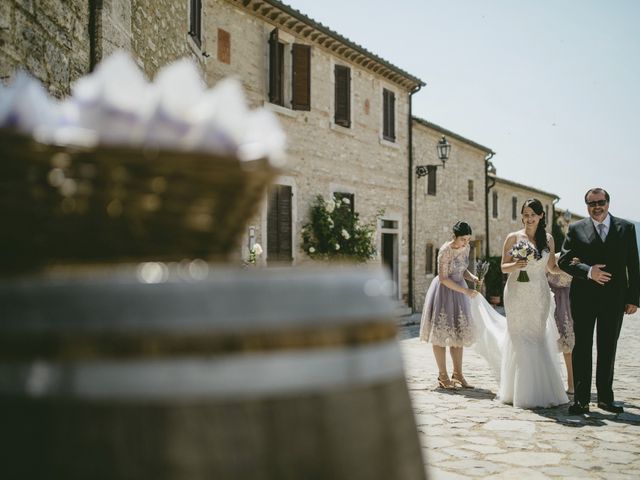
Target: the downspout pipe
(410, 189)
(95, 33)
(488, 185)
(551, 223)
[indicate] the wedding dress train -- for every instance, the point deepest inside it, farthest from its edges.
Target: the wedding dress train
(521, 348)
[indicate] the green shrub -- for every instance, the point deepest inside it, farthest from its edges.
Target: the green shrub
(334, 232)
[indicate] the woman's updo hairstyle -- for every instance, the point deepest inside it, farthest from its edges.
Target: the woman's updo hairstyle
(541, 234)
(460, 229)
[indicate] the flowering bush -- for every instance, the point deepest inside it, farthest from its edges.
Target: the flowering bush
(334, 232)
(254, 253)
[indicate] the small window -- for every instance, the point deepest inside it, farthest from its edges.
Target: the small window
(388, 115)
(431, 179)
(514, 208)
(428, 269)
(470, 190)
(342, 114)
(495, 205)
(436, 262)
(195, 21)
(350, 199)
(393, 224)
(546, 213)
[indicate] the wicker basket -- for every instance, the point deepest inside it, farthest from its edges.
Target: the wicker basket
(63, 205)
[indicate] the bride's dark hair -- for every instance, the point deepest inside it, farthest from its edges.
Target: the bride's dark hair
(541, 234)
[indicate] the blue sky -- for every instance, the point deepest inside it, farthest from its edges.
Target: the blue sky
(550, 86)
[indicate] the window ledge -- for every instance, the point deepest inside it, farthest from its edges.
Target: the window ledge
(343, 130)
(280, 109)
(199, 52)
(389, 143)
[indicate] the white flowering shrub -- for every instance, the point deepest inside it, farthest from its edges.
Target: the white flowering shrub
(334, 232)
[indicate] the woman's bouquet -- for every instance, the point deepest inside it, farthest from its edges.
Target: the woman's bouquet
(482, 267)
(523, 251)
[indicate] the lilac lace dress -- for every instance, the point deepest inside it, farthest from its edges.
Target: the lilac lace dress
(445, 317)
(560, 284)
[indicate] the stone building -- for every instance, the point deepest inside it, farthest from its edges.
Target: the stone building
(346, 114)
(346, 111)
(448, 193)
(505, 201)
(564, 218)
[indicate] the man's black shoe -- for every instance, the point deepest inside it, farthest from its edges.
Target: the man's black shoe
(577, 409)
(610, 407)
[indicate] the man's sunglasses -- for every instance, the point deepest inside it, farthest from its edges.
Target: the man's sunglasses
(598, 203)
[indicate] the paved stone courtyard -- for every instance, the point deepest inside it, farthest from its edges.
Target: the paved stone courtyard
(466, 434)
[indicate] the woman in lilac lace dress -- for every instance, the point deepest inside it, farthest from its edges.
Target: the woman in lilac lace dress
(446, 321)
(560, 284)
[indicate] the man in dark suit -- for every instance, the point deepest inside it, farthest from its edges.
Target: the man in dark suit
(605, 286)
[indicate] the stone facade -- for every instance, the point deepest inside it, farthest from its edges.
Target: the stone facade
(323, 157)
(459, 195)
(60, 41)
(48, 38)
(506, 217)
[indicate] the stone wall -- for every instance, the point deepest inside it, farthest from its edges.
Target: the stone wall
(436, 214)
(48, 38)
(322, 157)
(159, 34)
(505, 223)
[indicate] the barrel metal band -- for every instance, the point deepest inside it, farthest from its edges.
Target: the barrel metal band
(250, 375)
(84, 345)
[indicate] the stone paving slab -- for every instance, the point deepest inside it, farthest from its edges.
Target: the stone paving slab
(467, 434)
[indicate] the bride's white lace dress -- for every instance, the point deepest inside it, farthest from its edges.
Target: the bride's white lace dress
(524, 354)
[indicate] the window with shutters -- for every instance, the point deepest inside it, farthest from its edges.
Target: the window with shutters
(350, 197)
(195, 21)
(431, 179)
(436, 262)
(495, 205)
(514, 208)
(342, 114)
(428, 269)
(470, 191)
(546, 213)
(289, 73)
(388, 115)
(279, 227)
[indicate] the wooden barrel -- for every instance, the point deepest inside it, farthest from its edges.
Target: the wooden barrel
(193, 374)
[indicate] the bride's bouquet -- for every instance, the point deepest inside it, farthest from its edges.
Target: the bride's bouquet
(482, 267)
(523, 251)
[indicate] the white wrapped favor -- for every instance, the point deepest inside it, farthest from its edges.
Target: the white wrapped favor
(117, 105)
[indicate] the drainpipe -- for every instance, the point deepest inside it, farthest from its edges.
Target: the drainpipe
(488, 185)
(411, 253)
(95, 33)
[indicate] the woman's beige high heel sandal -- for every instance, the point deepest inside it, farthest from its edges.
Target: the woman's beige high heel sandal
(444, 382)
(457, 378)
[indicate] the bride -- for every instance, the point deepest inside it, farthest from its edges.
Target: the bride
(524, 354)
